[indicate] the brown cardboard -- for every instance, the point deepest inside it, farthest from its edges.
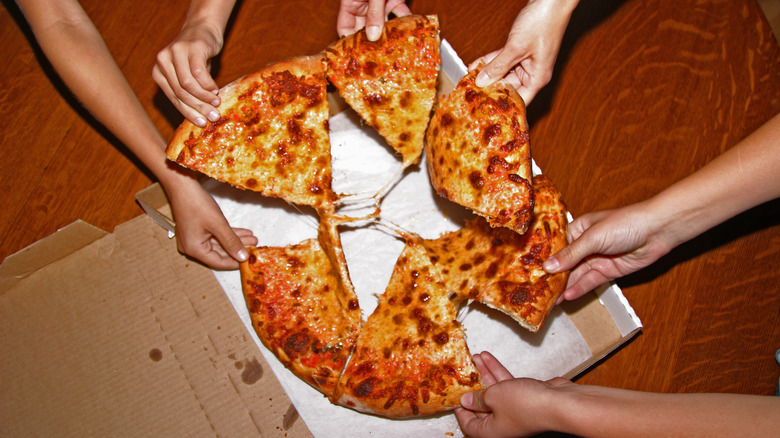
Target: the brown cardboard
(118, 334)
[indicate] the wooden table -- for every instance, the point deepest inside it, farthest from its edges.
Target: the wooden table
(644, 93)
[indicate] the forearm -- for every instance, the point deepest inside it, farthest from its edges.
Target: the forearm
(608, 412)
(743, 177)
(78, 54)
(212, 14)
(562, 6)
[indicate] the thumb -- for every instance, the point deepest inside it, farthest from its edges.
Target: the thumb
(496, 69)
(475, 401)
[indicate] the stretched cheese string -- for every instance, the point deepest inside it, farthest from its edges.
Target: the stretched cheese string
(376, 197)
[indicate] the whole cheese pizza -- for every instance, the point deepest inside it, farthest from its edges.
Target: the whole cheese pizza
(478, 152)
(409, 357)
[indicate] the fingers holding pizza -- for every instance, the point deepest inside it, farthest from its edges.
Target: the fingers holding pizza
(182, 70)
(527, 59)
(369, 14)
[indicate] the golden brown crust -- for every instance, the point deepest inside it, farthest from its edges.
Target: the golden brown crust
(272, 136)
(391, 82)
(411, 357)
(502, 269)
(478, 152)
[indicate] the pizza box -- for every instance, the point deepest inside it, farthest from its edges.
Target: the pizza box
(118, 334)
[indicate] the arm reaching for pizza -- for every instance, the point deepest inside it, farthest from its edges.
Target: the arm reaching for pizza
(611, 244)
(77, 51)
(510, 407)
(527, 59)
(183, 69)
(371, 14)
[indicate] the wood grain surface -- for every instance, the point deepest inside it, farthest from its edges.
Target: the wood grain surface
(644, 93)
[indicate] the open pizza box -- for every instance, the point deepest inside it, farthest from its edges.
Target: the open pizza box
(118, 334)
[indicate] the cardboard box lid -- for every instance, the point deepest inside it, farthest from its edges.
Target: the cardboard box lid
(107, 334)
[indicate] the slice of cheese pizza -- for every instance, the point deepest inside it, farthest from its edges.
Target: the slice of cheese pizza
(301, 311)
(272, 137)
(478, 153)
(391, 82)
(411, 357)
(502, 269)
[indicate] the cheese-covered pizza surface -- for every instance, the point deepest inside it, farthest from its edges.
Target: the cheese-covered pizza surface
(411, 356)
(272, 137)
(391, 82)
(503, 269)
(300, 310)
(478, 152)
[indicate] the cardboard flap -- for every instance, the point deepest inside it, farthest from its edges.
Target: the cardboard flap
(124, 335)
(48, 250)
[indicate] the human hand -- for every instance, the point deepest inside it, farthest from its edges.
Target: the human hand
(528, 58)
(371, 14)
(507, 407)
(607, 245)
(183, 72)
(202, 232)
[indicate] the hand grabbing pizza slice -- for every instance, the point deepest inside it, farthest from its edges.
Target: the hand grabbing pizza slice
(478, 153)
(502, 269)
(411, 357)
(391, 82)
(301, 311)
(272, 137)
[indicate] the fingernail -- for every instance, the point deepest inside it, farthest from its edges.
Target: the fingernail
(242, 255)
(373, 33)
(213, 116)
(551, 265)
(200, 121)
(467, 399)
(215, 102)
(482, 79)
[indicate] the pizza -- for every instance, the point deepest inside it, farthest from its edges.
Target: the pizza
(272, 136)
(503, 269)
(301, 311)
(411, 357)
(391, 83)
(478, 153)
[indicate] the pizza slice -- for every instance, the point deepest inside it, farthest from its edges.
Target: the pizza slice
(478, 153)
(391, 82)
(272, 137)
(411, 357)
(301, 311)
(503, 269)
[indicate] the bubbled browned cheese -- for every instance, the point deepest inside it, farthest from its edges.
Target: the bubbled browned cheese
(391, 82)
(301, 311)
(272, 136)
(503, 269)
(478, 152)
(411, 357)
